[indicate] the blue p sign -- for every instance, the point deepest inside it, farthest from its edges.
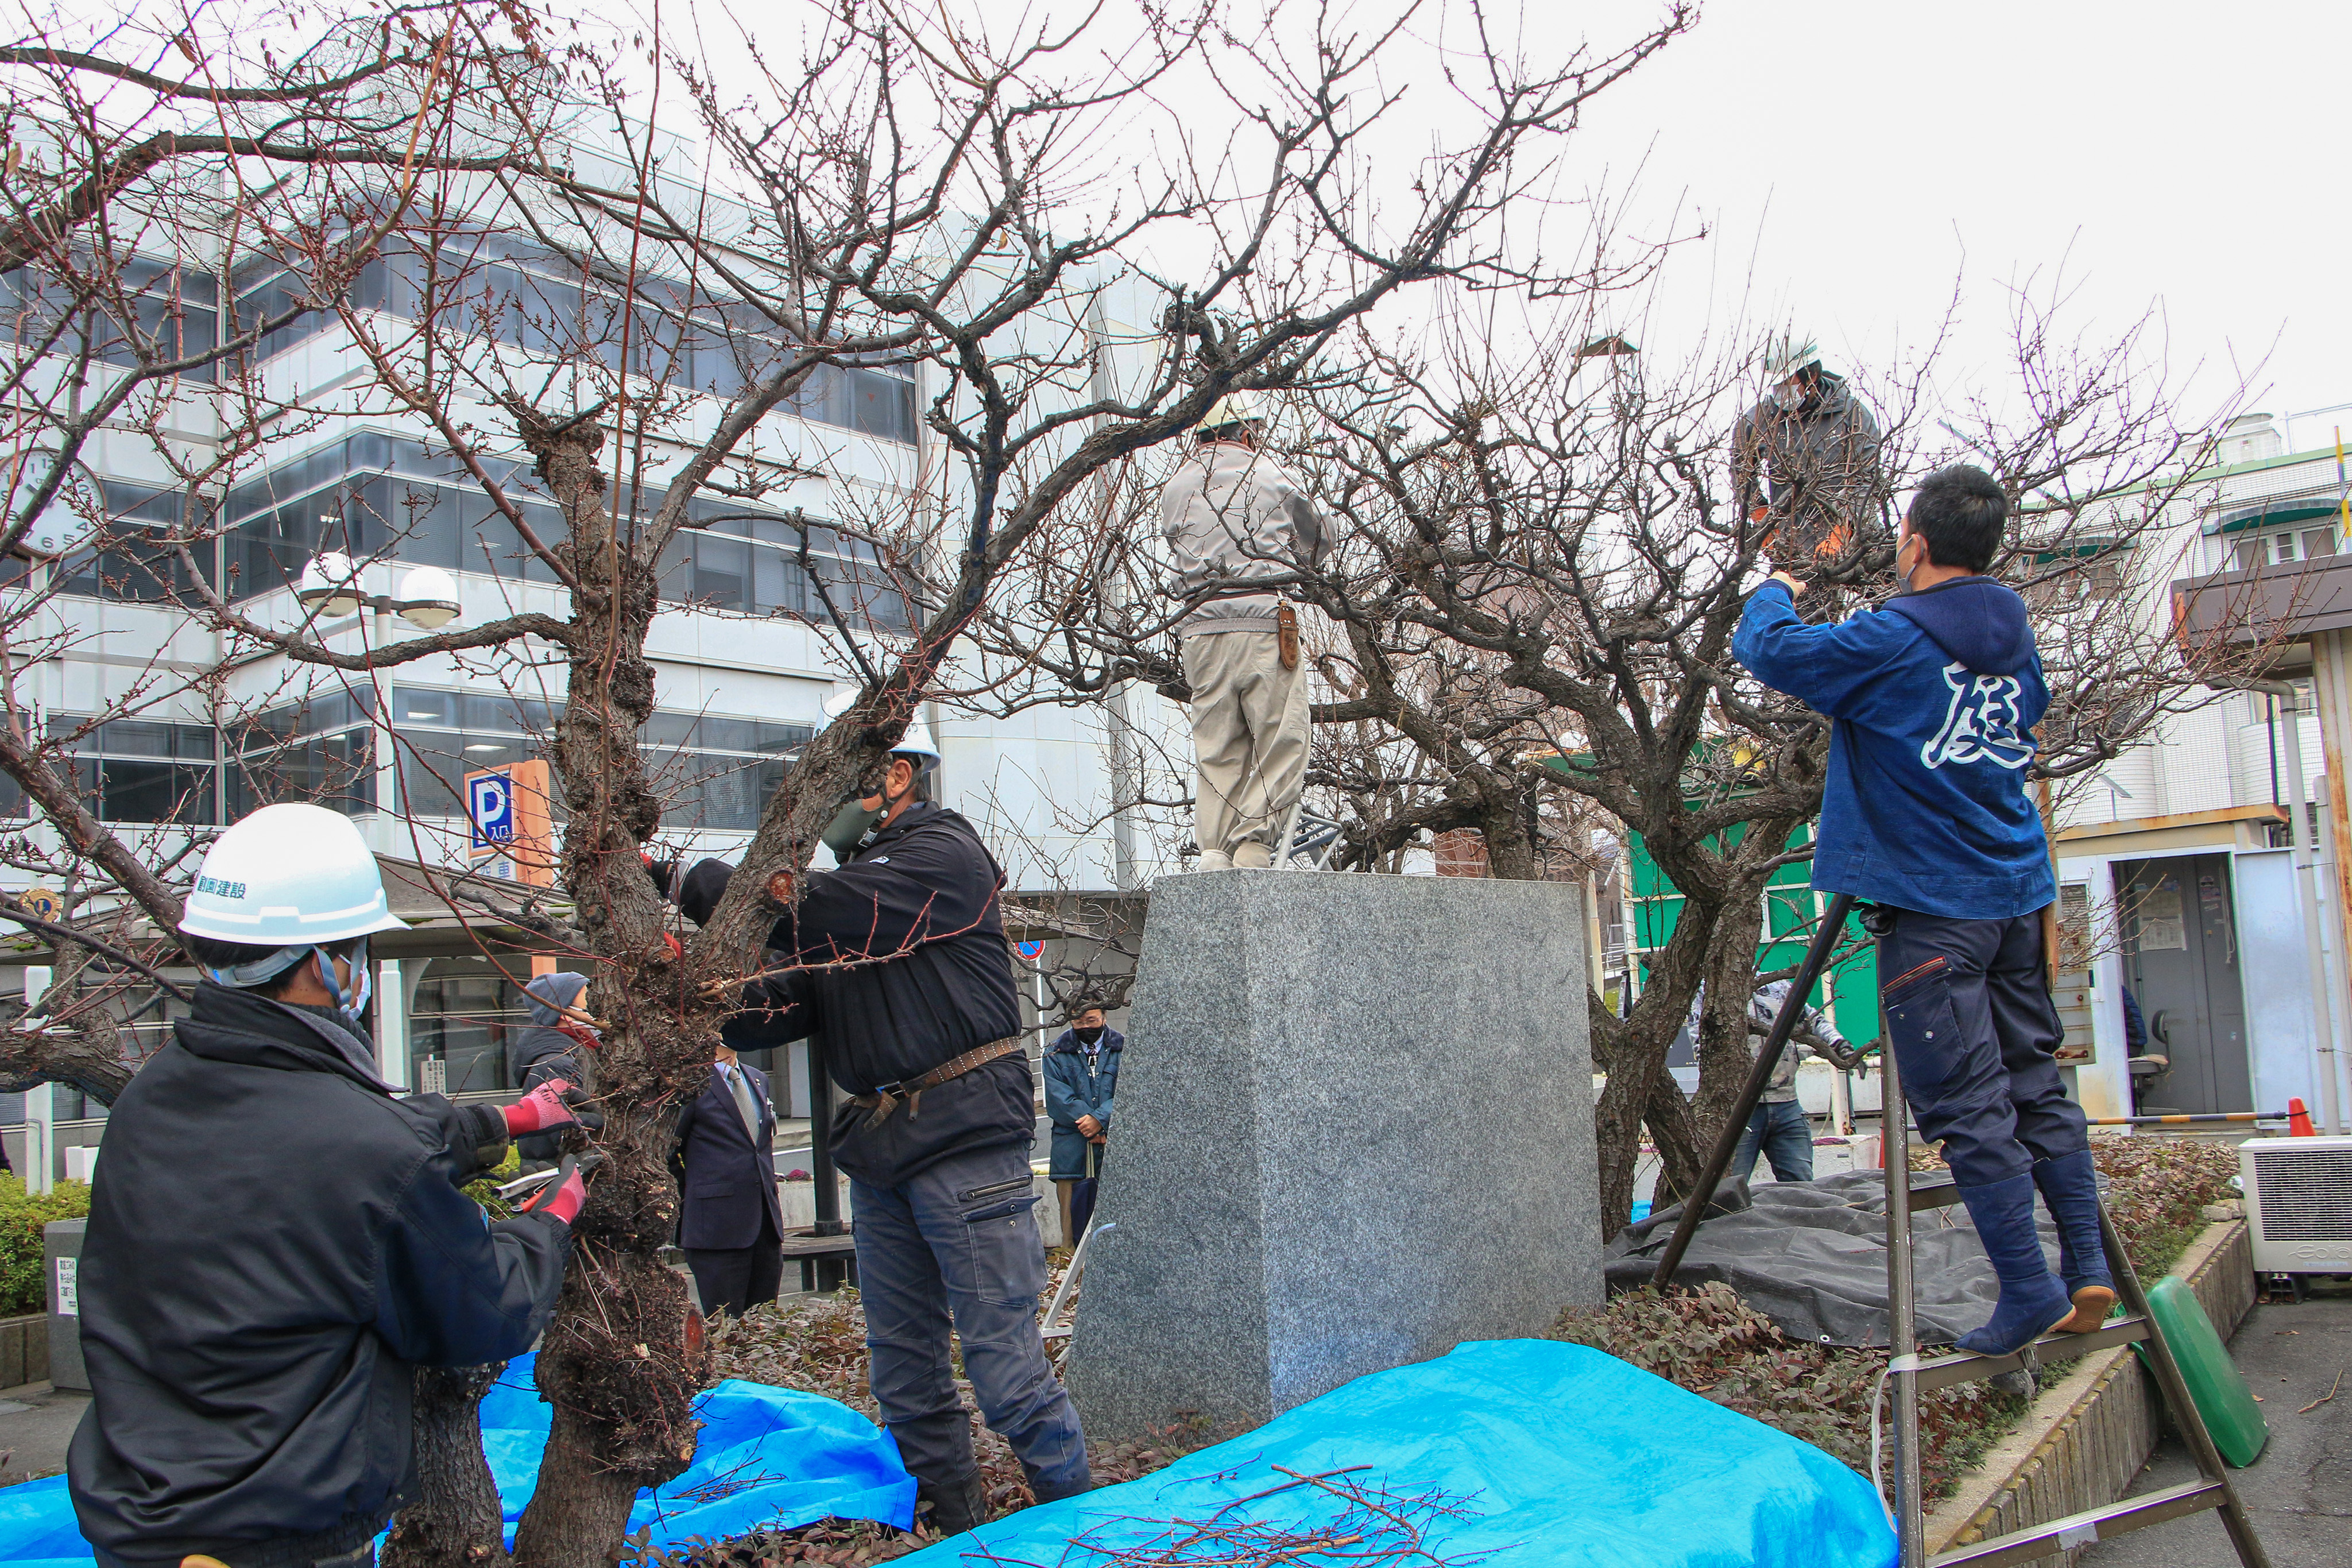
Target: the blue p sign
(489, 801)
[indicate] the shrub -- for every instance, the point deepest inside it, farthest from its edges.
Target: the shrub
(23, 1287)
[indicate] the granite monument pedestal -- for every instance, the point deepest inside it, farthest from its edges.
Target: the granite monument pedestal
(1354, 1129)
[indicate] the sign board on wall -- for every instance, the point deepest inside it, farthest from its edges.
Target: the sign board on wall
(506, 813)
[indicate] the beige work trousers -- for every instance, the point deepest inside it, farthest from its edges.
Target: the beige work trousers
(1249, 743)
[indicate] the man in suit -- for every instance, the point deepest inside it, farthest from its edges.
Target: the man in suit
(730, 1224)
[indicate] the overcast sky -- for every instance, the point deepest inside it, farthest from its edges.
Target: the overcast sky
(1865, 155)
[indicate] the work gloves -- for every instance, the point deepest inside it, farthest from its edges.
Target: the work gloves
(553, 1105)
(565, 1193)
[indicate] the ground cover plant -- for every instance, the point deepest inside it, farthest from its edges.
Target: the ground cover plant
(1711, 1343)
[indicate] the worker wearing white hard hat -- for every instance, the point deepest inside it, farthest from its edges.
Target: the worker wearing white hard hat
(275, 1237)
(1804, 460)
(1239, 524)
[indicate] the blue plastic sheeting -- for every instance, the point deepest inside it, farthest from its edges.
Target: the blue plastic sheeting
(1545, 1454)
(766, 1458)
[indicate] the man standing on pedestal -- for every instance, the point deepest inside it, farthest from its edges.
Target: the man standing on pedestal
(730, 1224)
(1237, 521)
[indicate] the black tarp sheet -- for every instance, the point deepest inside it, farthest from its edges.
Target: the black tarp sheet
(1812, 1256)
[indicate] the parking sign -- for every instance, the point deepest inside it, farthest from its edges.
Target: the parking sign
(491, 803)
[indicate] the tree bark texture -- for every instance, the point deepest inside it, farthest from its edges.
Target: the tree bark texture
(615, 1363)
(455, 1521)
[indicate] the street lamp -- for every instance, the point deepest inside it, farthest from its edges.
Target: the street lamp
(427, 599)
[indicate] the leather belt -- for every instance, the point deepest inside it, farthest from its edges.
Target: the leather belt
(886, 1096)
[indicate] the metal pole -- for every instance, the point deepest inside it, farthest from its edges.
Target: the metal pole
(1902, 1336)
(2307, 884)
(2185, 1418)
(831, 1272)
(1718, 1159)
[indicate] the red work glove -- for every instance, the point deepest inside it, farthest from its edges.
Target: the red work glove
(550, 1105)
(566, 1193)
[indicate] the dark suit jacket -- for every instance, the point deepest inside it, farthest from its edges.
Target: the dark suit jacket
(726, 1179)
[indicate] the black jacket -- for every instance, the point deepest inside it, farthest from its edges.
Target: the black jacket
(542, 1049)
(273, 1241)
(924, 894)
(726, 1177)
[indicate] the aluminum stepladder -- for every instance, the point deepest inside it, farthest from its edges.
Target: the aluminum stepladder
(1913, 1376)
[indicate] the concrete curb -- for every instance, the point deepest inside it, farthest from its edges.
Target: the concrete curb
(2087, 1437)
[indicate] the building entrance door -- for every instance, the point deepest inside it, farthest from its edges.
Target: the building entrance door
(2180, 960)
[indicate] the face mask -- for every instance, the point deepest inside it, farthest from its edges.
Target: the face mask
(1088, 1036)
(851, 827)
(352, 1006)
(1788, 397)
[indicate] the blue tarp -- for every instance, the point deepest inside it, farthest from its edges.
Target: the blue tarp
(1545, 1454)
(766, 1456)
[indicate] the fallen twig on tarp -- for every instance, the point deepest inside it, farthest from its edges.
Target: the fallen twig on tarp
(1375, 1528)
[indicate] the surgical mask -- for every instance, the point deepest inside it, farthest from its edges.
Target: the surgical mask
(1788, 397)
(354, 1005)
(1088, 1036)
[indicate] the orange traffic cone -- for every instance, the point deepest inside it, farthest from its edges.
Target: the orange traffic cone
(2298, 1120)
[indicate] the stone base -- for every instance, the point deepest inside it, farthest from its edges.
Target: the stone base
(1354, 1129)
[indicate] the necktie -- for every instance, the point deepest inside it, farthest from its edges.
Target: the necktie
(747, 1107)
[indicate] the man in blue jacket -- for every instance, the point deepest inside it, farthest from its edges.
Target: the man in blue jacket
(1933, 700)
(1081, 1079)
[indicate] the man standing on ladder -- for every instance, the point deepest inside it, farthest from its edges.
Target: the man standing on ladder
(1805, 460)
(1238, 522)
(1933, 698)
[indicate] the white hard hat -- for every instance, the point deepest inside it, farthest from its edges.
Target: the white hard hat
(1233, 408)
(289, 875)
(915, 743)
(1788, 353)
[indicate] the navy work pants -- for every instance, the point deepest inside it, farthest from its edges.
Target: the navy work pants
(1784, 1135)
(1976, 1034)
(959, 1242)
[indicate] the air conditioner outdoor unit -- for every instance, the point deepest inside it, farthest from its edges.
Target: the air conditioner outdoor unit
(2299, 1204)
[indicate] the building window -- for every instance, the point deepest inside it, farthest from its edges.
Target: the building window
(441, 737)
(321, 750)
(141, 770)
(709, 773)
(374, 497)
(164, 314)
(464, 1013)
(533, 303)
(717, 774)
(2283, 548)
(134, 567)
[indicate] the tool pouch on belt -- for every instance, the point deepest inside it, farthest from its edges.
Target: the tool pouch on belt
(1286, 635)
(886, 1096)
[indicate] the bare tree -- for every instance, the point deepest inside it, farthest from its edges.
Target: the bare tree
(593, 328)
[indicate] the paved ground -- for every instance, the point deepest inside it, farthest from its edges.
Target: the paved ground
(36, 1421)
(2300, 1491)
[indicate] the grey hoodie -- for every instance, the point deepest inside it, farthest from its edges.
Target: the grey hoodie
(1819, 459)
(1233, 515)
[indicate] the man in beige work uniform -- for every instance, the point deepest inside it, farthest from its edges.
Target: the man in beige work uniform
(1235, 519)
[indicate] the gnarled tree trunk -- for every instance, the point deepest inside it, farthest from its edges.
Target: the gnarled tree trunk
(455, 1521)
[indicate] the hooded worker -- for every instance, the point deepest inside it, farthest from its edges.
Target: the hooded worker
(560, 1030)
(276, 1239)
(1238, 525)
(1804, 460)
